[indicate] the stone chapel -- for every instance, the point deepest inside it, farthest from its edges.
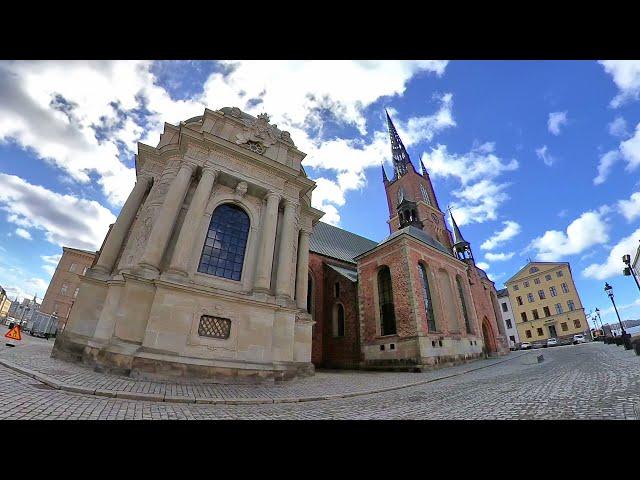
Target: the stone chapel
(218, 267)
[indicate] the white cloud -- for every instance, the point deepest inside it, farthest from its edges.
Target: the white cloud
(483, 265)
(630, 150)
(510, 230)
(545, 156)
(480, 194)
(605, 165)
(499, 257)
(50, 263)
(587, 230)
(349, 158)
(626, 76)
(613, 265)
(21, 232)
(618, 127)
(630, 208)
(556, 120)
(64, 219)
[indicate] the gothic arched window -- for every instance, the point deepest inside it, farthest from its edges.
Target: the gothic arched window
(467, 323)
(426, 295)
(338, 321)
(385, 297)
(223, 252)
(425, 195)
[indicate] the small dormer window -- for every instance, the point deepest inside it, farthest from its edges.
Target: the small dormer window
(533, 269)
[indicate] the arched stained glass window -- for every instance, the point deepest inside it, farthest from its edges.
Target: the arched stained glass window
(385, 296)
(464, 305)
(426, 295)
(223, 252)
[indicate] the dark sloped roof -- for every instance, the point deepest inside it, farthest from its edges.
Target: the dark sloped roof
(337, 243)
(346, 272)
(503, 292)
(419, 235)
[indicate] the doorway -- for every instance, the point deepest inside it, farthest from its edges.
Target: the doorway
(552, 331)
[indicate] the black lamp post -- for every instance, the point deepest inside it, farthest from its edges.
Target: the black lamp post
(628, 270)
(625, 337)
(600, 319)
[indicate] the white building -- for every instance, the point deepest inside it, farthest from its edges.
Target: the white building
(507, 317)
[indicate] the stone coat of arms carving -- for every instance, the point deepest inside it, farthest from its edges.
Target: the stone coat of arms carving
(258, 131)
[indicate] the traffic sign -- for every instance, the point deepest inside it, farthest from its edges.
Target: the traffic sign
(14, 333)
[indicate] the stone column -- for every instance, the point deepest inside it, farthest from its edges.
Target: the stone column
(302, 273)
(184, 246)
(166, 218)
(112, 246)
(267, 242)
(283, 276)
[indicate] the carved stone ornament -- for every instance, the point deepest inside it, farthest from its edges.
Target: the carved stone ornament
(236, 112)
(241, 188)
(258, 131)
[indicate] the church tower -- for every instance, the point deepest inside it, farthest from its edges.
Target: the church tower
(461, 248)
(410, 195)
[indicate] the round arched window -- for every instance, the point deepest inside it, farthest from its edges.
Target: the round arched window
(224, 247)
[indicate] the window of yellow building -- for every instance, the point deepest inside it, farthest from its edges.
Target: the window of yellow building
(558, 308)
(571, 305)
(541, 294)
(576, 323)
(547, 313)
(515, 287)
(530, 297)
(565, 289)
(526, 284)
(519, 299)
(524, 316)
(564, 326)
(553, 291)
(528, 332)
(547, 277)
(559, 273)
(535, 314)
(536, 281)
(540, 332)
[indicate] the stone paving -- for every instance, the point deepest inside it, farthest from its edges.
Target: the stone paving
(590, 381)
(32, 356)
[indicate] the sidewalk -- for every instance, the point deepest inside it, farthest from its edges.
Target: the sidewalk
(32, 358)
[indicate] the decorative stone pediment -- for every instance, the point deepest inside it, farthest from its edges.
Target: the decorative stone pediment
(258, 133)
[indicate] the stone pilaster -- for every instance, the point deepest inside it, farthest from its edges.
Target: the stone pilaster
(119, 230)
(184, 246)
(267, 243)
(302, 272)
(283, 275)
(166, 218)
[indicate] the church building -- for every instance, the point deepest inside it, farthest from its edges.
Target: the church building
(218, 267)
(410, 302)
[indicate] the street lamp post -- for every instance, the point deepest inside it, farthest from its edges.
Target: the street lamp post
(625, 337)
(628, 270)
(600, 319)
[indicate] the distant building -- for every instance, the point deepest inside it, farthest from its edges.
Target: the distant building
(546, 303)
(5, 304)
(65, 283)
(507, 317)
(25, 310)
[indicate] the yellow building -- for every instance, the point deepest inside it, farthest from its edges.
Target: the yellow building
(545, 302)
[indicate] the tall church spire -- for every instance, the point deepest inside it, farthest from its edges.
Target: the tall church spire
(384, 173)
(401, 159)
(461, 248)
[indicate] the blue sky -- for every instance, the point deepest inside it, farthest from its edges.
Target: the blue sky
(538, 159)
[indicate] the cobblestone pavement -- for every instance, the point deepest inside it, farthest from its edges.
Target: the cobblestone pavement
(590, 381)
(33, 354)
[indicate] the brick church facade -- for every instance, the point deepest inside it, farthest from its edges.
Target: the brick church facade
(414, 301)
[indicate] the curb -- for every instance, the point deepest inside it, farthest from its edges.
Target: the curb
(155, 397)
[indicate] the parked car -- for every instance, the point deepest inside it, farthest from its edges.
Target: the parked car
(552, 342)
(525, 346)
(579, 338)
